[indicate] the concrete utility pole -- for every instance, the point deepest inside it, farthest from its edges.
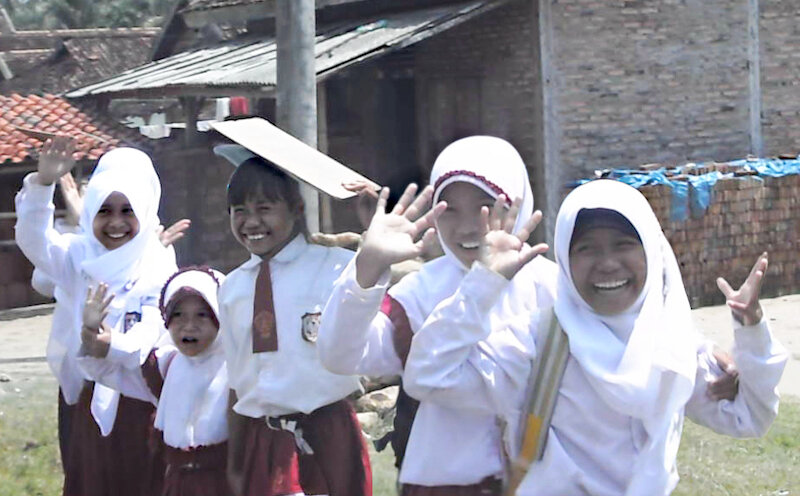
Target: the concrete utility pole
(296, 103)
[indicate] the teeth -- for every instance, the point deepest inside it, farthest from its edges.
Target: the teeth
(611, 284)
(470, 246)
(255, 237)
(116, 236)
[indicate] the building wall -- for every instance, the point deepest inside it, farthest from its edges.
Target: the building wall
(779, 32)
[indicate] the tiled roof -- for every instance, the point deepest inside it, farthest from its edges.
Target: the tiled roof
(23, 117)
(79, 61)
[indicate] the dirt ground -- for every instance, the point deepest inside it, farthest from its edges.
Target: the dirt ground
(24, 339)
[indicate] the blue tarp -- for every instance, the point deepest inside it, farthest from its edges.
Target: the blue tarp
(701, 186)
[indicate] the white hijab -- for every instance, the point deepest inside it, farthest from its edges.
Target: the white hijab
(135, 271)
(194, 400)
(650, 376)
(491, 164)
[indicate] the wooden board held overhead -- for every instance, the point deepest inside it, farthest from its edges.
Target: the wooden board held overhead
(296, 158)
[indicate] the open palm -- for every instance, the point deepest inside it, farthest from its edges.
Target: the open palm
(503, 250)
(399, 235)
(56, 159)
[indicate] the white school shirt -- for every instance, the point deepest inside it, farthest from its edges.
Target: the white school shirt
(590, 446)
(50, 251)
(447, 445)
(292, 379)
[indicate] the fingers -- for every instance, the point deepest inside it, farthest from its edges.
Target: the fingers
(511, 216)
(428, 240)
(530, 225)
(380, 208)
(420, 204)
(528, 253)
(427, 220)
(497, 213)
(756, 277)
(726, 288)
(405, 200)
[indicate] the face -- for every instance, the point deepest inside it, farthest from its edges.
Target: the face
(192, 325)
(460, 225)
(609, 269)
(264, 226)
(115, 223)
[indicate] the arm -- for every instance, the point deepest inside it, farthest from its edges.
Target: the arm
(467, 354)
(34, 232)
(354, 336)
(761, 361)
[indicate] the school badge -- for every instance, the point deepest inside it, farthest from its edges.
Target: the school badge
(310, 327)
(131, 318)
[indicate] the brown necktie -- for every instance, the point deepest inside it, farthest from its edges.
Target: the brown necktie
(265, 331)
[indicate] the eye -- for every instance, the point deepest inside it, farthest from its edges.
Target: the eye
(104, 210)
(127, 210)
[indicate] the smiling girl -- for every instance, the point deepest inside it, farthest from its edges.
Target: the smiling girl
(119, 246)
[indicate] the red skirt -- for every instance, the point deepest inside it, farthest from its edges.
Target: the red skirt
(490, 486)
(339, 466)
(122, 464)
(196, 472)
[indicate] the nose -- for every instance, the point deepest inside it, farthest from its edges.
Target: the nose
(251, 218)
(470, 225)
(608, 261)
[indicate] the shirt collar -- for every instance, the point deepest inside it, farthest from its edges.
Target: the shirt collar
(291, 251)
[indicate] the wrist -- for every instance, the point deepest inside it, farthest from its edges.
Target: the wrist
(369, 268)
(42, 179)
(752, 318)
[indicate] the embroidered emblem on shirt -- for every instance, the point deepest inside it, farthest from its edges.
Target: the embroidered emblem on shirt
(131, 318)
(310, 327)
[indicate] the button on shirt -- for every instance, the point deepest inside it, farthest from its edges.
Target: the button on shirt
(292, 379)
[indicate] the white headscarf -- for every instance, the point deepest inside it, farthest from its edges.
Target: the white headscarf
(650, 376)
(194, 400)
(489, 163)
(134, 271)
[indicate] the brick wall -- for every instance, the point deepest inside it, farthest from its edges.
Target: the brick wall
(650, 80)
(779, 32)
(747, 215)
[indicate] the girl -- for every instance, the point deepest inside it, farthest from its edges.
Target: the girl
(291, 429)
(635, 364)
(119, 246)
(186, 375)
(450, 450)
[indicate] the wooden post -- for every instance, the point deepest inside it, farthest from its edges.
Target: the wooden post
(295, 24)
(754, 66)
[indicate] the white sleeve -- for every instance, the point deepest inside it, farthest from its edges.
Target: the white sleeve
(34, 233)
(464, 356)
(354, 336)
(131, 382)
(760, 360)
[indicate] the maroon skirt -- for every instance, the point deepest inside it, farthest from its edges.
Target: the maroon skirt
(121, 464)
(196, 472)
(339, 465)
(490, 486)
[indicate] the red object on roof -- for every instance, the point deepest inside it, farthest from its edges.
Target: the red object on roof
(27, 121)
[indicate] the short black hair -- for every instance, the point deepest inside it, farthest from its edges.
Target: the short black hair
(258, 176)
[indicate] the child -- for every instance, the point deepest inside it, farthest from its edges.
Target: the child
(291, 429)
(187, 376)
(450, 450)
(635, 365)
(119, 246)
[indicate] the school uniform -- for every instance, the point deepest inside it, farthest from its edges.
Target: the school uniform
(107, 451)
(629, 380)
(450, 450)
(302, 436)
(191, 394)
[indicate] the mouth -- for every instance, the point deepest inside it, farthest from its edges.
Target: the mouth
(611, 285)
(116, 235)
(189, 340)
(469, 245)
(255, 237)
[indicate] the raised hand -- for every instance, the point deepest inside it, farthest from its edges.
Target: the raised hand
(367, 199)
(726, 387)
(55, 159)
(743, 302)
(95, 337)
(395, 236)
(502, 250)
(72, 198)
(339, 240)
(173, 233)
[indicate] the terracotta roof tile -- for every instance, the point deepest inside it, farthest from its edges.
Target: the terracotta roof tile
(21, 117)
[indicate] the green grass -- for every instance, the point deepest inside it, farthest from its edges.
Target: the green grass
(708, 463)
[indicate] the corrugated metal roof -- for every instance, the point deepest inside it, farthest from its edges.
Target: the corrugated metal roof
(252, 62)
